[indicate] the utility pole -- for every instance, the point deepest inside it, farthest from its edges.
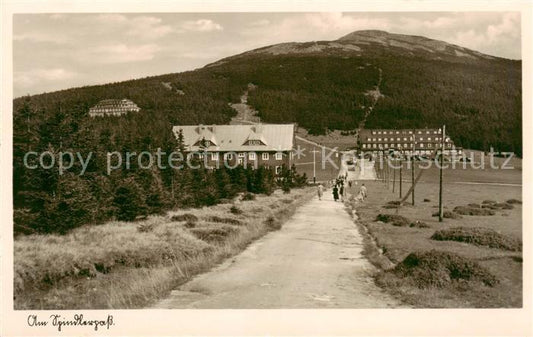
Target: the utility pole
(413, 169)
(443, 135)
(393, 178)
(388, 169)
(314, 165)
(401, 164)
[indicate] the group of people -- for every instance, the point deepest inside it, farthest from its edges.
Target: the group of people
(339, 190)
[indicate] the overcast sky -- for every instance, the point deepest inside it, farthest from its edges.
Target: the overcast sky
(59, 51)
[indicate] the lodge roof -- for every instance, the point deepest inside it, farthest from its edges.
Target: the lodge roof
(224, 138)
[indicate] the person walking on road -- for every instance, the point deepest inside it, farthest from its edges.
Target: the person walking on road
(342, 190)
(363, 191)
(320, 190)
(335, 193)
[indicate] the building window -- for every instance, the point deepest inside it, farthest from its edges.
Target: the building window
(242, 154)
(364, 146)
(419, 132)
(200, 155)
(228, 156)
(386, 139)
(421, 145)
(427, 132)
(278, 169)
(279, 156)
(241, 161)
(386, 145)
(265, 156)
(379, 139)
(404, 139)
(379, 132)
(251, 155)
(373, 132)
(214, 156)
(429, 139)
(397, 139)
(410, 132)
(397, 132)
(374, 146)
(421, 139)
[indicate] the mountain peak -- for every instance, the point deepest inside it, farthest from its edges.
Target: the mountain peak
(368, 32)
(410, 43)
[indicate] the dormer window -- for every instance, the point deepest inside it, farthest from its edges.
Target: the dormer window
(204, 143)
(254, 142)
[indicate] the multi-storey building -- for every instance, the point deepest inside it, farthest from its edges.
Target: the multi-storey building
(113, 107)
(410, 141)
(232, 145)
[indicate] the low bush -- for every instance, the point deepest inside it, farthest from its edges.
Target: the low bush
(190, 224)
(498, 206)
(474, 205)
(393, 219)
(272, 223)
(448, 215)
(465, 210)
(229, 221)
(503, 205)
(513, 201)
(488, 202)
(213, 234)
(185, 217)
(427, 200)
(489, 206)
(235, 210)
(419, 224)
(248, 197)
(147, 227)
(439, 269)
(478, 236)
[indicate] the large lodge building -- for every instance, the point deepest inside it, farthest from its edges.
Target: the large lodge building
(267, 145)
(113, 107)
(410, 141)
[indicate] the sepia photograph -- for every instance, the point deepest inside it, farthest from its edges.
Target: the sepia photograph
(172, 161)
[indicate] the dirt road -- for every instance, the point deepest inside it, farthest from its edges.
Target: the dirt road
(314, 261)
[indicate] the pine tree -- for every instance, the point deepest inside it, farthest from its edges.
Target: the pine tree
(129, 200)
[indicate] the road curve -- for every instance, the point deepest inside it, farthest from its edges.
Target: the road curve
(314, 261)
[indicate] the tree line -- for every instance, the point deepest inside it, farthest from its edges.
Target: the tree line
(48, 202)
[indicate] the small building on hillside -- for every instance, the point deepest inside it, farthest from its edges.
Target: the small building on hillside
(411, 141)
(267, 145)
(113, 107)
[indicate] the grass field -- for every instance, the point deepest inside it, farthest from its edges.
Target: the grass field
(123, 265)
(461, 187)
